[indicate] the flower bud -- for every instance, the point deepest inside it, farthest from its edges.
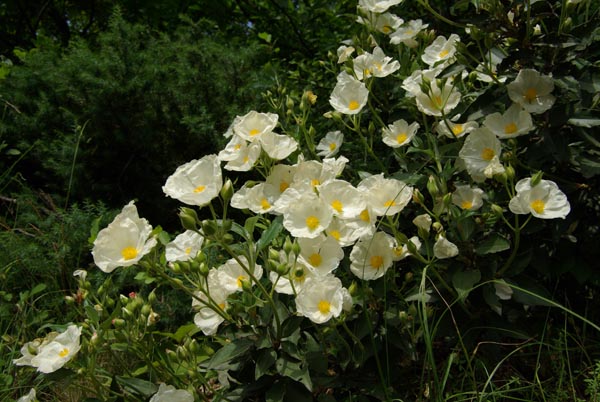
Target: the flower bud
(437, 226)
(536, 178)
(287, 246)
(274, 254)
(227, 238)
(497, 209)
(510, 172)
(418, 197)
(188, 218)
(146, 309)
(447, 200)
(227, 190)
(289, 102)
(353, 288)
(296, 248)
(209, 227)
(433, 187)
(408, 276)
(282, 269)
(203, 269)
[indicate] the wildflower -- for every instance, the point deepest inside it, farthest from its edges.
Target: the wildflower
(210, 311)
(438, 101)
(376, 64)
(401, 252)
(196, 182)
(441, 51)
(406, 33)
(30, 397)
(412, 84)
(512, 123)
(372, 256)
(480, 154)
(349, 95)
(443, 248)
(385, 23)
(452, 129)
(344, 52)
(253, 125)
(53, 352)
(168, 393)
(467, 197)
(234, 273)
(399, 133)
(320, 299)
(307, 216)
(321, 253)
(543, 200)
(278, 146)
(532, 91)
(330, 144)
(124, 241)
(293, 281)
(345, 233)
(377, 6)
(423, 222)
(184, 247)
(385, 196)
(343, 199)
(245, 157)
(259, 198)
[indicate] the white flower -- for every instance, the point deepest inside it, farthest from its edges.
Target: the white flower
(344, 52)
(480, 154)
(467, 197)
(399, 133)
(233, 149)
(513, 122)
(210, 311)
(344, 200)
(344, 232)
(281, 177)
(254, 125)
(232, 275)
(423, 222)
(438, 101)
(443, 248)
(168, 393)
(441, 50)
(349, 97)
(372, 256)
(320, 299)
(412, 83)
(401, 252)
(330, 144)
(385, 196)
(544, 200)
(377, 6)
(385, 23)
(245, 157)
(487, 70)
(124, 241)
(184, 247)
(292, 282)
(308, 216)
(376, 64)
(503, 290)
(278, 146)
(321, 253)
(196, 182)
(532, 91)
(53, 352)
(259, 198)
(455, 130)
(30, 397)
(406, 33)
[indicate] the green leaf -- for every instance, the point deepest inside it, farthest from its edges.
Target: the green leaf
(271, 233)
(588, 123)
(464, 281)
(137, 386)
(144, 277)
(530, 290)
(466, 227)
(224, 357)
(265, 36)
(266, 360)
(40, 287)
(492, 244)
(92, 313)
(294, 370)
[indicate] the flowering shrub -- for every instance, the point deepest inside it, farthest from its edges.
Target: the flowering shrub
(320, 274)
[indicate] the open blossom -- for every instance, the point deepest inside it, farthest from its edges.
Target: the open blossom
(444, 248)
(232, 275)
(412, 83)
(344, 52)
(184, 247)
(321, 299)
(385, 23)
(306, 215)
(441, 50)
(376, 64)
(407, 33)
(196, 182)
(452, 129)
(399, 133)
(168, 393)
(543, 200)
(293, 281)
(345, 200)
(253, 125)
(372, 256)
(385, 196)
(480, 154)
(210, 311)
(330, 144)
(377, 6)
(124, 241)
(259, 198)
(323, 254)
(512, 123)
(401, 252)
(532, 91)
(349, 95)
(467, 197)
(52, 352)
(438, 101)
(30, 397)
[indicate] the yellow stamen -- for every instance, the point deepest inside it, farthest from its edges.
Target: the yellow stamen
(299, 275)
(324, 307)
(315, 182)
(246, 159)
(457, 129)
(466, 205)
(335, 234)
(386, 29)
(129, 253)
(353, 105)
(510, 128)
(443, 53)
(530, 95)
(401, 138)
(237, 147)
(64, 352)
(315, 260)
(437, 101)
(332, 146)
(389, 203)
(188, 250)
(487, 154)
(199, 189)
(253, 132)
(240, 280)
(264, 204)
(283, 186)
(538, 206)
(376, 261)
(337, 205)
(364, 216)
(222, 306)
(312, 222)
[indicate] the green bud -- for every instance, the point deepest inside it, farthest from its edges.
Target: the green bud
(247, 285)
(228, 238)
(447, 199)
(418, 197)
(273, 254)
(289, 102)
(353, 288)
(510, 172)
(437, 226)
(403, 315)
(408, 276)
(410, 246)
(203, 269)
(126, 312)
(176, 267)
(412, 309)
(110, 302)
(69, 299)
(433, 187)
(371, 128)
(501, 178)
(536, 178)
(296, 248)
(209, 227)
(312, 132)
(227, 190)
(188, 218)
(282, 269)
(226, 225)
(287, 245)
(146, 309)
(497, 209)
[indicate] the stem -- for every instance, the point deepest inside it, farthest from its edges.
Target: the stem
(517, 229)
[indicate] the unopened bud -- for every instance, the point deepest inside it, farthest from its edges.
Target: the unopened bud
(353, 288)
(227, 238)
(497, 209)
(536, 178)
(437, 227)
(289, 102)
(433, 187)
(209, 227)
(227, 190)
(447, 200)
(296, 248)
(288, 245)
(203, 269)
(282, 269)
(418, 197)
(408, 276)
(274, 254)
(510, 172)
(188, 218)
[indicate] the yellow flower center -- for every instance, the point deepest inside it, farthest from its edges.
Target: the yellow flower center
(64, 352)
(400, 138)
(337, 205)
(246, 159)
(487, 154)
(315, 260)
(222, 306)
(538, 206)
(389, 203)
(457, 129)
(364, 216)
(335, 234)
(510, 128)
(237, 147)
(199, 189)
(353, 105)
(443, 54)
(240, 280)
(332, 146)
(253, 132)
(283, 186)
(437, 101)
(299, 275)
(264, 204)
(188, 250)
(312, 222)
(466, 205)
(530, 95)
(324, 307)
(366, 73)
(129, 253)
(315, 182)
(386, 29)
(376, 261)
